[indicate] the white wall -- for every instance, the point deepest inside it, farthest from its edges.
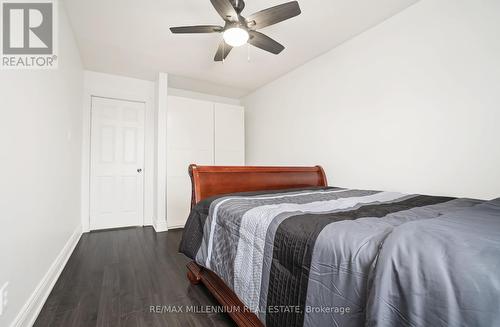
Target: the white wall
(160, 195)
(40, 142)
(410, 105)
(202, 96)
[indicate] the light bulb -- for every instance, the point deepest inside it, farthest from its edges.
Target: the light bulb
(235, 36)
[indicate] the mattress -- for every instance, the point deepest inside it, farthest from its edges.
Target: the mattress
(305, 257)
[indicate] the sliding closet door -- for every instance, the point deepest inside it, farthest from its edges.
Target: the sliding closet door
(190, 139)
(229, 135)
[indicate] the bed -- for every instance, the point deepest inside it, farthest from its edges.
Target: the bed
(452, 278)
(277, 247)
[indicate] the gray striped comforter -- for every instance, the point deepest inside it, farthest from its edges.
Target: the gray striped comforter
(304, 257)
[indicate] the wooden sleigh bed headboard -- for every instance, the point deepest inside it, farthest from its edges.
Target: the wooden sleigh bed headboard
(208, 181)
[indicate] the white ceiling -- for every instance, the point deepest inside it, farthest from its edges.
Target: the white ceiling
(132, 38)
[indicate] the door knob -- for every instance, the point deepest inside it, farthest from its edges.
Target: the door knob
(139, 170)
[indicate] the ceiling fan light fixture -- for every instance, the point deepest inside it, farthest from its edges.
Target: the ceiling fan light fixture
(235, 36)
(238, 30)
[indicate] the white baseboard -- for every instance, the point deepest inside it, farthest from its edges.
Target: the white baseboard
(31, 309)
(176, 226)
(160, 225)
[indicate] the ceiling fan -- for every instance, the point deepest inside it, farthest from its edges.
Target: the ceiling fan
(239, 30)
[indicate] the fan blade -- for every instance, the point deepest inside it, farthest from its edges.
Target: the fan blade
(225, 10)
(196, 29)
(273, 15)
(222, 51)
(264, 42)
(238, 6)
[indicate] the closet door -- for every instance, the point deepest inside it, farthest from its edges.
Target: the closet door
(229, 135)
(190, 139)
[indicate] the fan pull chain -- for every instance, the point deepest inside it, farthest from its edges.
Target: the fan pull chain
(248, 52)
(223, 51)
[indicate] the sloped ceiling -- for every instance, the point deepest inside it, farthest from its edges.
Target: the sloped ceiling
(132, 38)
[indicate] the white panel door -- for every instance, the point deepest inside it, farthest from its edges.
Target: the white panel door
(117, 161)
(229, 135)
(190, 139)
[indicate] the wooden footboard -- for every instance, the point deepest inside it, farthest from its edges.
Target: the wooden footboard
(208, 181)
(241, 315)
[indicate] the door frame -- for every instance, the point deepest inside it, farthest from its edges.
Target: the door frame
(92, 97)
(128, 89)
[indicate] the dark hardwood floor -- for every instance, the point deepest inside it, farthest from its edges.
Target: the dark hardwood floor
(114, 277)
